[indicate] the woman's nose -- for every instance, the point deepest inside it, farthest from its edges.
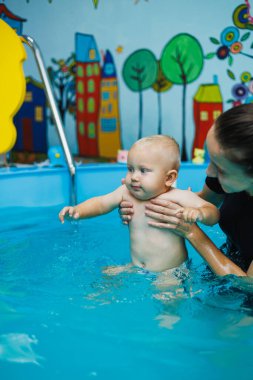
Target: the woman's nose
(211, 170)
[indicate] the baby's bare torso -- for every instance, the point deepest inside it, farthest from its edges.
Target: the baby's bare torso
(151, 248)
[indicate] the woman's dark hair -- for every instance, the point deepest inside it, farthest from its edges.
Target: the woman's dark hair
(234, 132)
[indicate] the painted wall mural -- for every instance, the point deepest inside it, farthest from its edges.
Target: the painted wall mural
(242, 90)
(182, 62)
(207, 105)
(140, 72)
(97, 111)
(31, 120)
(104, 85)
(12, 19)
(62, 77)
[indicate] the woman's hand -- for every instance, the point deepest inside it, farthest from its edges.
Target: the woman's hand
(126, 211)
(166, 214)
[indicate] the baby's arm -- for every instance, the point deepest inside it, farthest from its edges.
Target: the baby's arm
(196, 209)
(94, 206)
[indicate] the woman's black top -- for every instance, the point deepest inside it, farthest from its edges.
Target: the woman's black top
(236, 221)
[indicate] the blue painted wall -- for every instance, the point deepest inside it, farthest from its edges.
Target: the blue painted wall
(135, 25)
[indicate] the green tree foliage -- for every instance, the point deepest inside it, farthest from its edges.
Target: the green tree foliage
(139, 73)
(182, 61)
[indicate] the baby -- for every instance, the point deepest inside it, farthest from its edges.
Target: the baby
(153, 164)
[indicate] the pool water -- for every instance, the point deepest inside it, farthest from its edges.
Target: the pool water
(62, 318)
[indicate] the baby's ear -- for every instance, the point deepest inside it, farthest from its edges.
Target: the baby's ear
(171, 177)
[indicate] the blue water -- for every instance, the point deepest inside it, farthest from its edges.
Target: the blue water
(62, 318)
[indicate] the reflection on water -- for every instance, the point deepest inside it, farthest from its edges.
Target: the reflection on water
(18, 348)
(53, 291)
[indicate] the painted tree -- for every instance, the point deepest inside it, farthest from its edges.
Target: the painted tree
(62, 77)
(139, 73)
(161, 85)
(182, 61)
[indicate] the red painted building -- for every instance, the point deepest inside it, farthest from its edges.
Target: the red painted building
(88, 82)
(207, 106)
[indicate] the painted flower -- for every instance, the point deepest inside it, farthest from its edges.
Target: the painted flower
(241, 17)
(246, 76)
(222, 52)
(240, 91)
(236, 47)
(64, 69)
(229, 36)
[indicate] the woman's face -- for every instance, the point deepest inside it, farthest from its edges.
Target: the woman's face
(232, 177)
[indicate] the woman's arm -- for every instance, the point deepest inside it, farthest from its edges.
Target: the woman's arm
(210, 196)
(218, 262)
(165, 216)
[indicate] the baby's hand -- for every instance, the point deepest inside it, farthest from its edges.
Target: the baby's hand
(190, 214)
(68, 212)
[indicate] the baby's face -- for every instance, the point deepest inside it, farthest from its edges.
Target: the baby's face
(146, 174)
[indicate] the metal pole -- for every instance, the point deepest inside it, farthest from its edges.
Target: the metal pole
(54, 108)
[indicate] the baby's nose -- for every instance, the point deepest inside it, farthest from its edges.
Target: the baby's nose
(135, 176)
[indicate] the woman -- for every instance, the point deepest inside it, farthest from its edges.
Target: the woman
(229, 184)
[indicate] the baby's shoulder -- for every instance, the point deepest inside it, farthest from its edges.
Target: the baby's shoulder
(185, 198)
(174, 194)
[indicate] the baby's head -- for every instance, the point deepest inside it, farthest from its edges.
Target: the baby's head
(153, 164)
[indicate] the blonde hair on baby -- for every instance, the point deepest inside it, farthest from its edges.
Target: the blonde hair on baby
(163, 142)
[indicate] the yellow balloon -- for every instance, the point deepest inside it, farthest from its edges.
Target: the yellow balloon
(12, 84)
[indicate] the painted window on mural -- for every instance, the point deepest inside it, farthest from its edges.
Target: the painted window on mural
(108, 125)
(38, 113)
(203, 115)
(79, 71)
(91, 105)
(28, 96)
(92, 54)
(91, 86)
(105, 95)
(96, 69)
(216, 114)
(89, 70)
(91, 131)
(110, 108)
(80, 105)
(80, 87)
(81, 128)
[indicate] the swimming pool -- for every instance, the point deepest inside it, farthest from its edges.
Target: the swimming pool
(62, 318)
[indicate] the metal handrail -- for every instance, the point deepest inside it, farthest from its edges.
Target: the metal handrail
(54, 108)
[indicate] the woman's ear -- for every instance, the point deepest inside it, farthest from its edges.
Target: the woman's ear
(171, 177)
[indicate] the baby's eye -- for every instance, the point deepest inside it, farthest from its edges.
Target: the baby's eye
(145, 170)
(130, 169)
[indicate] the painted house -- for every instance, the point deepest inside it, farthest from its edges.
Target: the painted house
(11, 19)
(109, 120)
(88, 78)
(30, 121)
(207, 106)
